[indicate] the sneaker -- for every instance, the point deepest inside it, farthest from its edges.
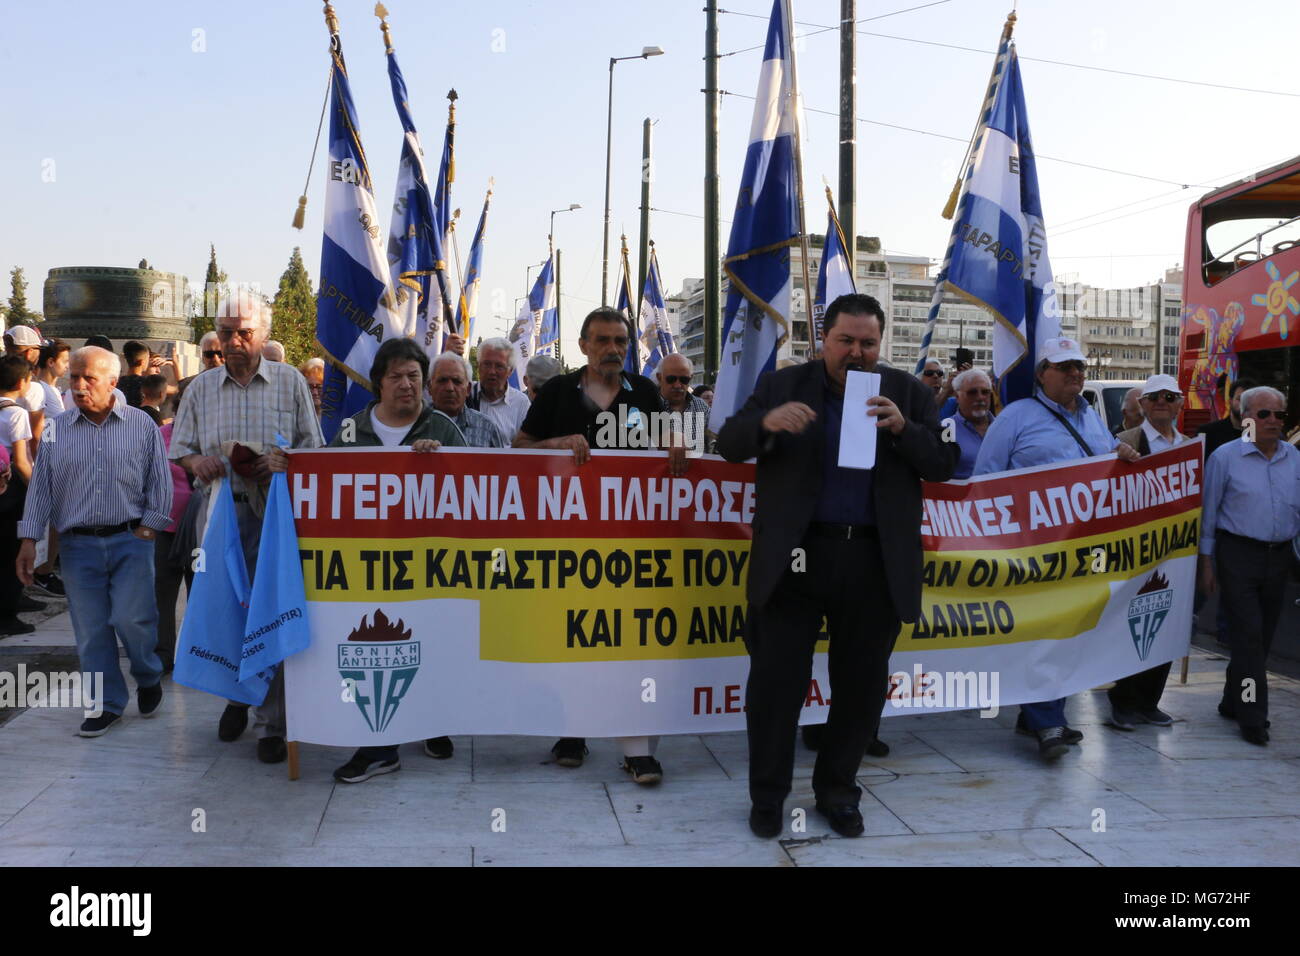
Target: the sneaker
(26, 604)
(569, 751)
(439, 748)
(644, 770)
(98, 726)
(361, 768)
(1154, 715)
(1070, 735)
(148, 699)
(1051, 742)
(50, 584)
(1122, 719)
(11, 626)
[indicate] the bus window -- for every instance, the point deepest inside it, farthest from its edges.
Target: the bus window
(1249, 227)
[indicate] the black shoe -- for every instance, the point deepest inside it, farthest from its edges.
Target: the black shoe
(877, 748)
(50, 584)
(98, 726)
(361, 768)
(1072, 736)
(272, 750)
(1069, 735)
(26, 604)
(1156, 716)
(1122, 719)
(813, 735)
(12, 626)
(1255, 735)
(844, 820)
(569, 751)
(439, 748)
(233, 721)
(148, 699)
(644, 770)
(1051, 742)
(765, 822)
(1229, 715)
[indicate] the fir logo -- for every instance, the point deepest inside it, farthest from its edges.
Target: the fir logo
(1147, 611)
(380, 660)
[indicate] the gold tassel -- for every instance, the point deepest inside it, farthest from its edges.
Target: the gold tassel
(951, 208)
(300, 214)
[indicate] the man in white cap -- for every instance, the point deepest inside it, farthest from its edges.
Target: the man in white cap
(1055, 424)
(1135, 699)
(23, 340)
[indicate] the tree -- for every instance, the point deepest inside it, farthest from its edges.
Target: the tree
(293, 312)
(215, 290)
(17, 313)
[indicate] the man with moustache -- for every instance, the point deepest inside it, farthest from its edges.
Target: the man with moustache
(843, 521)
(974, 392)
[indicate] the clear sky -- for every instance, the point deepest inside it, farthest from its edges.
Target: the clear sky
(157, 148)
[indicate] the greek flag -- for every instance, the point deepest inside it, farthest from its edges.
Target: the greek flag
(355, 307)
(542, 301)
(766, 223)
(836, 276)
(467, 310)
(656, 338)
(442, 217)
(997, 254)
(632, 363)
(415, 248)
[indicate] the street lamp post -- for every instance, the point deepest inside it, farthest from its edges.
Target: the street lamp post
(646, 53)
(550, 239)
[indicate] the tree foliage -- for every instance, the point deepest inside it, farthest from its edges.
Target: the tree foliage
(17, 312)
(293, 312)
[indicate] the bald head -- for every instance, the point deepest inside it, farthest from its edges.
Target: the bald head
(674, 375)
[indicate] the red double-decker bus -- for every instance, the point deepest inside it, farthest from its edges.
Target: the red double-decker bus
(1241, 293)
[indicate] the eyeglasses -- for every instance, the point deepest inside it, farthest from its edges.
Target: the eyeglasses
(1266, 413)
(1073, 365)
(677, 379)
(213, 353)
(227, 334)
(1163, 396)
(931, 372)
(981, 392)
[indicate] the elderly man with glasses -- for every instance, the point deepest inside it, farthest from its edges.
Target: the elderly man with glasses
(1055, 424)
(932, 378)
(492, 395)
(1251, 511)
(974, 392)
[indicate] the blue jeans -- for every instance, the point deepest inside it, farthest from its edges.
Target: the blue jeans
(111, 597)
(1044, 714)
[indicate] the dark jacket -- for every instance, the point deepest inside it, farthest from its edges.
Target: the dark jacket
(790, 476)
(1136, 438)
(431, 424)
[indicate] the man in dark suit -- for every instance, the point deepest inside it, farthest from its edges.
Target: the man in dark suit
(820, 536)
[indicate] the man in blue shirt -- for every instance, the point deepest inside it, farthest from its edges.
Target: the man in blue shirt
(1055, 424)
(971, 417)
(1251, 511)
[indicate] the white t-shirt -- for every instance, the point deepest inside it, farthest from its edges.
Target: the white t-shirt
(390, 436)
(53, 401)
(15, 424)
(35, 397)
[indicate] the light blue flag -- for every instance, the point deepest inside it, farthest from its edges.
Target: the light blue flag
(277, 611)
(212, 635)
(418, 266)
(656, 335)
(756, 318)
(467, 309)
(632, 363)
(542, 301)
(355, 308)
(836, 276)
(997, 254)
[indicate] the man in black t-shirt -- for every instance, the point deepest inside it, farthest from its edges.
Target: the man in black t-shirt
(1228, 429)
(600, 406)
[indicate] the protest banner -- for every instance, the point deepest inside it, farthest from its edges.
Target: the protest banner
(474, 591)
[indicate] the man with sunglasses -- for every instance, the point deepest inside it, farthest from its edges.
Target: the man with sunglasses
(1135, 699)
(932, 378)
(674, 375)
(1055, 424)
(1250, 513)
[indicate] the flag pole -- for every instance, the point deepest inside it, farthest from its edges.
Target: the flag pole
(839, 231)
(798, 172)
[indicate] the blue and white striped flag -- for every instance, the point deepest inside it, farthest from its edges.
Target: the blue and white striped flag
(756, 318)
(656, 338)
(355, 307)
(997, 254)
(446, 176)
(415, 248)
(542, 301)
(632, 363)
(836, 275)
(467, 310)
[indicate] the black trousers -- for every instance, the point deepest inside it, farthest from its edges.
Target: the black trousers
(1141, 691)
(844, 582)
(167, 577)
(1252, 583)
(11, 589)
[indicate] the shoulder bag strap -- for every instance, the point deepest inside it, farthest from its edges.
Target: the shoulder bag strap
(1088, 452)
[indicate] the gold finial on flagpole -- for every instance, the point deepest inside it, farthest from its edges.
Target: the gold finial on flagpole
(331, 20)
(381, 12)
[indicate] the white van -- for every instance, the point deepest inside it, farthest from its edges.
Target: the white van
(1107, 397)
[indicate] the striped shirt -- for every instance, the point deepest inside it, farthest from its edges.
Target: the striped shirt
(90, 475)
(216, 409)
(478, 429)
